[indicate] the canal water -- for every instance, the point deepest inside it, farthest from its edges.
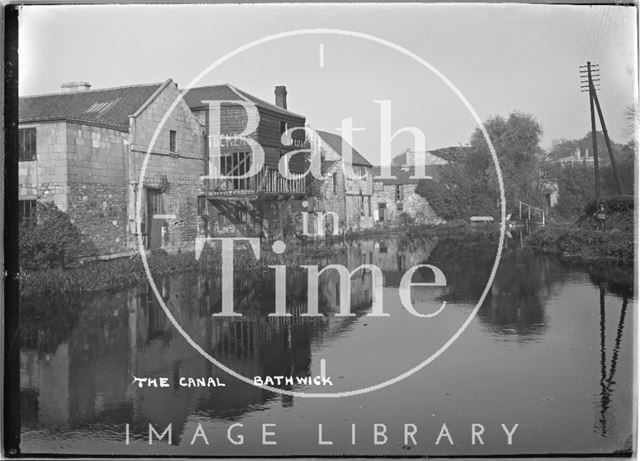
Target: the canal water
(550, 349)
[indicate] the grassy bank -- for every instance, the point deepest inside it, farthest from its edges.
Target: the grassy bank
(583, 239)
(574, 241)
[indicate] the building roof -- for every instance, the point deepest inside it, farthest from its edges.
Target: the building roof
(402, 175)
(408, 158)
(335, 142)
(226, 92)
(110, 107)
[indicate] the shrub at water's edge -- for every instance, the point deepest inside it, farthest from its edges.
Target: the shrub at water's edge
(585, 240)
(586, 243)
(47, 240)
(119, 273)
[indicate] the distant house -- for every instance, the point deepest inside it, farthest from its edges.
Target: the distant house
(397, 195)
(348, 197)
(267, 203)
(83, 149)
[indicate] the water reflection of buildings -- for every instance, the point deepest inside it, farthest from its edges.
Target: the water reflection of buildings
(78, 356)
(78, 370)
(84, 375)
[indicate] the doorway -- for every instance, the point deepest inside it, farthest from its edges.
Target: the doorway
(154, 224)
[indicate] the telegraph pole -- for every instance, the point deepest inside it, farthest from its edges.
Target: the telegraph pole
(590, 75)
(608, 141)
(590, 87)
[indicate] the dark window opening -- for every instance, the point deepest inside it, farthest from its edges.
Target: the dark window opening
(399, 193)
(335, 183)
(172, 141)
(27, 212)
(202, 206)
(283, 127)
(27, 144)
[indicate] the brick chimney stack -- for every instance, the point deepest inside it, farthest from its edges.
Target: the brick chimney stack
(281, 97)
(72, 87)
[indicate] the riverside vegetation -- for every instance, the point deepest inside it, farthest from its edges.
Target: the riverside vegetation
(583, 239)
(44, 271)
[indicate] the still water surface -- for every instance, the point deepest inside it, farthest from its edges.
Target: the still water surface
(550, 350)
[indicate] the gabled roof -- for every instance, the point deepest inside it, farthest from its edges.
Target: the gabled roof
(402, 175)
(335, 142)
(226, 92)
(110, 107)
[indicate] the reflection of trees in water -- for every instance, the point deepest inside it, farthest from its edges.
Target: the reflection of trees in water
(466, 264)
(516, 304)
(516, 300)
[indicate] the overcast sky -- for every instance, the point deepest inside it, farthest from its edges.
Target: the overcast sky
(501, 57)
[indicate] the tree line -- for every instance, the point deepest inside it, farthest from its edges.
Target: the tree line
(468, 184)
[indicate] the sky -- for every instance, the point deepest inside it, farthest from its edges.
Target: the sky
(501, 58)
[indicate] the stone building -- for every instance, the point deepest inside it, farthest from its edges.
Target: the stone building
(83, 149)
(397, 195)
(349, 198)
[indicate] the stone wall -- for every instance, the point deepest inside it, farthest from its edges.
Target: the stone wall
(46, 177)
(411, 203)
(97, 199)
(329, 200)
(359, 214)
(182, 169)
(418, 208)
(81, 169)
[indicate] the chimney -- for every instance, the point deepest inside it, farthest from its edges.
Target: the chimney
(281, 96)
(72, 87)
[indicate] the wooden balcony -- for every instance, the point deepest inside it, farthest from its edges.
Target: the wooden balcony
(268, 183)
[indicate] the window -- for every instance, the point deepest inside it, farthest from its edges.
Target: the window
(399, 194)
(369, 206)
(172, 141)
(381, 209)
(335, 183)
(27, 142)
(27, 212)
(399, 206)
(237, 164)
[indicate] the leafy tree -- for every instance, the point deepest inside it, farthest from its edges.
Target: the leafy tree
(48, 241)
(516, 140)
(470, 185)
(575, 181)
